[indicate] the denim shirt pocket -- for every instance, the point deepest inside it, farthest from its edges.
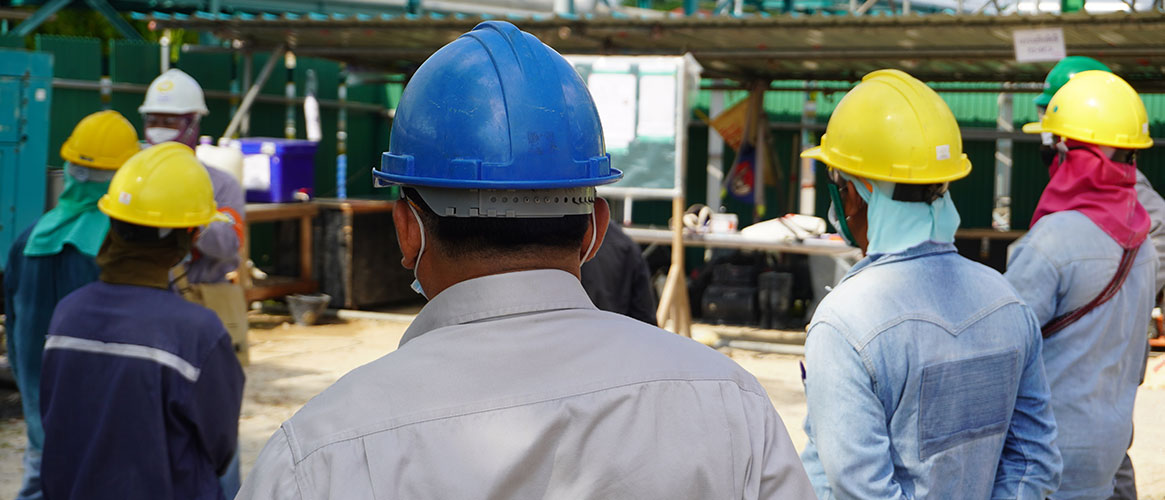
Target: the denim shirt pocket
(964, 400)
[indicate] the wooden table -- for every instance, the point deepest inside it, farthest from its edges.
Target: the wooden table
(360, 267)
(737, 240)
(280, 286)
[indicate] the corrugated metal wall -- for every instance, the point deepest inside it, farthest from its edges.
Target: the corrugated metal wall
(140, 62)
(75, 59)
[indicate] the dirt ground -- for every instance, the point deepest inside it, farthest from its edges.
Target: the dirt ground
(290, 364)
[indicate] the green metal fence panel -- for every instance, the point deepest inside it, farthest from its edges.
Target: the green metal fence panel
(75, 58)
(1152, 161)
(974, 195)
(135, 62)
(327, 77)
(1028, 178)
(214, 72)
(368, 129)
(12, 42)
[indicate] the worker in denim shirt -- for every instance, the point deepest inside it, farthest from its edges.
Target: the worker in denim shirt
(1087, 226)
(923, 370)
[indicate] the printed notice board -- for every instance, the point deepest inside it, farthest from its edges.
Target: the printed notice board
(643, 103)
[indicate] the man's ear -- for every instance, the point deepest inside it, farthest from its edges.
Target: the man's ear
(408, 233)
(602, 217)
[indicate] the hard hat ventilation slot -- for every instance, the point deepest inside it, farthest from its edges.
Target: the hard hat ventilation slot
(509, 203)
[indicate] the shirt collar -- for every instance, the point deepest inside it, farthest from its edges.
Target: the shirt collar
(500, 295)
(921, 250)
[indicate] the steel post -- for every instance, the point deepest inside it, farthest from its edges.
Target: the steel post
(253, 92)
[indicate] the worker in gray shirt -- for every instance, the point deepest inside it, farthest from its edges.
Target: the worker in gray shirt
(510, 384)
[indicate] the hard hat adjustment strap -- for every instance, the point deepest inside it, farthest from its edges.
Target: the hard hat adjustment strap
(508, 203)
(921, 193)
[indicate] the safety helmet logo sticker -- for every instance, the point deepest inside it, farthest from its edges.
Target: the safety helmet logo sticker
(165, 85)
(942, 152)
(125, 198)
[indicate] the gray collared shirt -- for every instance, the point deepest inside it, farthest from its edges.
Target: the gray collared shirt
(516, 386)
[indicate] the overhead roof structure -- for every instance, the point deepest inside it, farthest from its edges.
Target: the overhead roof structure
(933, 48)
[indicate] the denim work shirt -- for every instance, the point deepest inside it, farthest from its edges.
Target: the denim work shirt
(924, 380)
(514, 386)
(1095, 364)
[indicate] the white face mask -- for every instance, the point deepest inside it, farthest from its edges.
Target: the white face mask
(158, 135)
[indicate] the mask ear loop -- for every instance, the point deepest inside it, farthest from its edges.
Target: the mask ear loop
(416, 286)
(835, 197)
(594, 237)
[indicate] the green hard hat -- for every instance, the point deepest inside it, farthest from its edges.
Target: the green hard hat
(1064, 70)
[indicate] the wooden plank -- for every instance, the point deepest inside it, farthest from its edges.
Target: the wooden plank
(269, 212)
(989, 234)
(734, 240)
(355, 206)
(280, 287)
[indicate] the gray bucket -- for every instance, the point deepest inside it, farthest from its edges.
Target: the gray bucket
(307, 309)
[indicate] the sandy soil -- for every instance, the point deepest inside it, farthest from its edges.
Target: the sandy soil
(290, 364)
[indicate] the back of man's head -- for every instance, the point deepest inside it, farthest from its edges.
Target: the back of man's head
(498, 146)
(493, 237)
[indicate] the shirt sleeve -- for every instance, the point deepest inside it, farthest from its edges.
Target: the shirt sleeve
(1030, 465)
(273, 477)
(221, 240)
(1155, 205)
(1035, 279)
(781, 473)
(846, 420)
(215, 402)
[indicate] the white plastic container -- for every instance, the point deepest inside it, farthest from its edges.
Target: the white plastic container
(228, 159)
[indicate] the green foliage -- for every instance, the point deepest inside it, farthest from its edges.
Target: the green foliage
(86, 22)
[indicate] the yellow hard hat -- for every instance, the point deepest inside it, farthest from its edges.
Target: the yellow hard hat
(104, 140)
(162, 186)
(1097, 107)
(892, 127)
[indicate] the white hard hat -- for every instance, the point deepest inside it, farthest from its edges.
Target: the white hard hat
(174, 92)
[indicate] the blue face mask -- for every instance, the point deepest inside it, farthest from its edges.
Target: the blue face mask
(895, 226)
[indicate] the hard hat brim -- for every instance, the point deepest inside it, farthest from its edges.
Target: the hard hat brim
(1033, 128)
(820, 155)
(107, 207)
(142, 110)
(1042, 99)
(403, 180)
(814, 153)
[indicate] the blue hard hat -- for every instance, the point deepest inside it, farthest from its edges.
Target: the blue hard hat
(496, 109)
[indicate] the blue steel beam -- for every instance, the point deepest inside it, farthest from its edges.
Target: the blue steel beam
(41, 15)
(115, 19)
